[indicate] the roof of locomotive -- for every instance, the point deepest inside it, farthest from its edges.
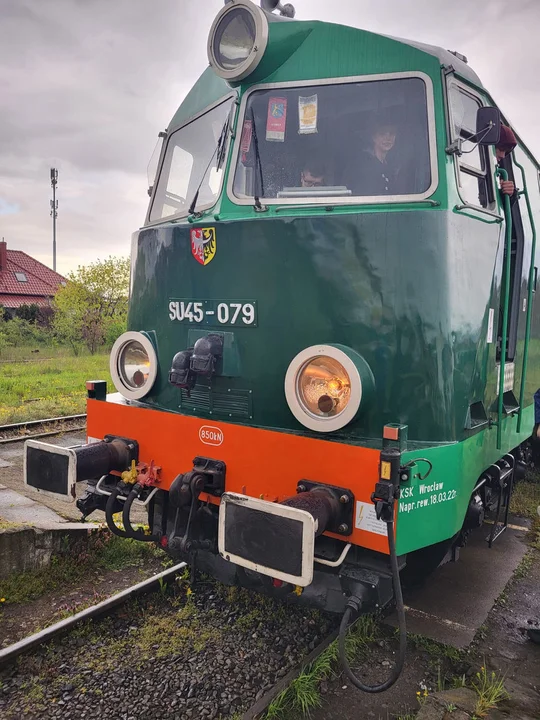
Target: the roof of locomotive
(209, 88)
(446, 57)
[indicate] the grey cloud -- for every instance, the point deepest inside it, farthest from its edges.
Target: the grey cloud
(85, 85)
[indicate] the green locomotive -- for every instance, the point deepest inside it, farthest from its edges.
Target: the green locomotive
(333, 339)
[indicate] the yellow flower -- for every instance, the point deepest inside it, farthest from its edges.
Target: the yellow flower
(418, 693)
(425, 693)
(189, 592)
(2, 599)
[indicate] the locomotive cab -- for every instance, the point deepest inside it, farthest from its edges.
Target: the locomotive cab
(324, 381)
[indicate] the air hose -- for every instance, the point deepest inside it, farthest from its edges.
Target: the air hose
(109, 512)
(354, 605)
(130, 530)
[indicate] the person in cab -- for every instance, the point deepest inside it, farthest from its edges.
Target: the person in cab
(507, 142)
(375, 171)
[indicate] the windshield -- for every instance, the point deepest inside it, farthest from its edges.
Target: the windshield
(190, 158)
(366, 138)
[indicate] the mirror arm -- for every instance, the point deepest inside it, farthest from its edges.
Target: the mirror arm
(455, 148)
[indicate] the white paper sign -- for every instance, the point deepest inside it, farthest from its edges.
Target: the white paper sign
(307, 114)
(366, 519)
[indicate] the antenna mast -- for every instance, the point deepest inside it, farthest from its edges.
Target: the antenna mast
(54, 211)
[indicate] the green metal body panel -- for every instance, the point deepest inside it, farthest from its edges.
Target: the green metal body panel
(408, 286)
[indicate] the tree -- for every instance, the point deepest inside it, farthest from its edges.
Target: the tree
(94, 299)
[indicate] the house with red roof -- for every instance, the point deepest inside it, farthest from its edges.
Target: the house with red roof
(25, 281)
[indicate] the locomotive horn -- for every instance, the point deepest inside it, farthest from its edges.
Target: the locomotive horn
(286, 10)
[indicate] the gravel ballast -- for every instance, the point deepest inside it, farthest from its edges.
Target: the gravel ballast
(207, 652)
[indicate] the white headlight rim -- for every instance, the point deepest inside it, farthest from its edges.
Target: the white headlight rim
(117, 348)
(259, 46)
(342, 355)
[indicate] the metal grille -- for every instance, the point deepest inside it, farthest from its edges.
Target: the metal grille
(229, 403)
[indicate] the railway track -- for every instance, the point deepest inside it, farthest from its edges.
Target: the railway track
(10, 653)
(219, 653)
(41, 428)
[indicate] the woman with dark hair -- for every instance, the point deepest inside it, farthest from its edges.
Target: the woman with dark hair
(373, 171)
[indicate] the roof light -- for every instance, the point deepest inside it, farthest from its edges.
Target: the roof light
(238, 39)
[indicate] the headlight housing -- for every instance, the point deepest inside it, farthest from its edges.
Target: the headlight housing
(325, 385)
(237, 40)
(133, 365)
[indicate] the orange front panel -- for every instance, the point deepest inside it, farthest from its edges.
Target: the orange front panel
(260, 463)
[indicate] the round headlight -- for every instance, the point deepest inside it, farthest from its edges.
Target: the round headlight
(133, 365)
(237, 40)
(324, 386)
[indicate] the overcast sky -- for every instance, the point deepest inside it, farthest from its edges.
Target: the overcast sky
(86, 85)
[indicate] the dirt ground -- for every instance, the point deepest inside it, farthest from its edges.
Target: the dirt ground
(19, 620)
(500, 645)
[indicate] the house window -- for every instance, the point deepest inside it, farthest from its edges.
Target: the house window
(21, 277)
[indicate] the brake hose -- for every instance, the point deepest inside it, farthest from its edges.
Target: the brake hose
(130, 530)
(109, 511)
(354, 605)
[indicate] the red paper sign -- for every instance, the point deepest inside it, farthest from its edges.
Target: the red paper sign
(276, 120)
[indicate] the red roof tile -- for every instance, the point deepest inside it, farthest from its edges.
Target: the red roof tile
(15, 301)
(41, 281)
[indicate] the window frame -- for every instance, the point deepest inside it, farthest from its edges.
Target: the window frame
(232, 96)
(353, 199)
(24, 276)
(491, 208)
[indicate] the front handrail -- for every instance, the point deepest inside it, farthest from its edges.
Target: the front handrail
(501, 172)
(529, 294)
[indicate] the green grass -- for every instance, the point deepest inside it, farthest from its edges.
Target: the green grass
(303, 695)
(526, 497)
(49, 387)
(103, 552)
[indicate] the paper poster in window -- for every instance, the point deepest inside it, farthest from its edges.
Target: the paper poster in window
(276, 120)
(307, 114)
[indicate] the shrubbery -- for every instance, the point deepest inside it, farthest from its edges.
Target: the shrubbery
(89, 311)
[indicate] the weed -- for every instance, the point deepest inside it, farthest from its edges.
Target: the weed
(490, 689)
(526, 498)
(435, 649)
(524, 566)
(103, 551)
(303, 694)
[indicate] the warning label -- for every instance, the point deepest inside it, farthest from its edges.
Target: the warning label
(366, 519)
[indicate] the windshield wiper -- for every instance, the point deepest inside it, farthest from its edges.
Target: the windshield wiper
(220, 152)
(258, 163)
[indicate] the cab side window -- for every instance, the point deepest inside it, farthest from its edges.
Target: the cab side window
(474, 173)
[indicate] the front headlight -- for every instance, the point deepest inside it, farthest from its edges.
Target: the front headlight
(133, 365)
(325, 385)
(237, 41)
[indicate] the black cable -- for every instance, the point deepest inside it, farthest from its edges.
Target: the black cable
(355, 603)
(109, 511)
(130, 530)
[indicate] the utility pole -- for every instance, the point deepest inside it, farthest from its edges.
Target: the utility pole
(54, 211)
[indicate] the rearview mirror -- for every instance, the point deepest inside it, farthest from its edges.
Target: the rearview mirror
(488, 126)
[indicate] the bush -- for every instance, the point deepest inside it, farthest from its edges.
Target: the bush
(19, 332)
(28, 312)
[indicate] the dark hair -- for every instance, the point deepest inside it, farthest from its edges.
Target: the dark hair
(507, 140)
(382, 118)
(315, 167)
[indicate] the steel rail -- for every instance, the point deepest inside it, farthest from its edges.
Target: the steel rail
(15, 426)
(9, 653)
(37, 424)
